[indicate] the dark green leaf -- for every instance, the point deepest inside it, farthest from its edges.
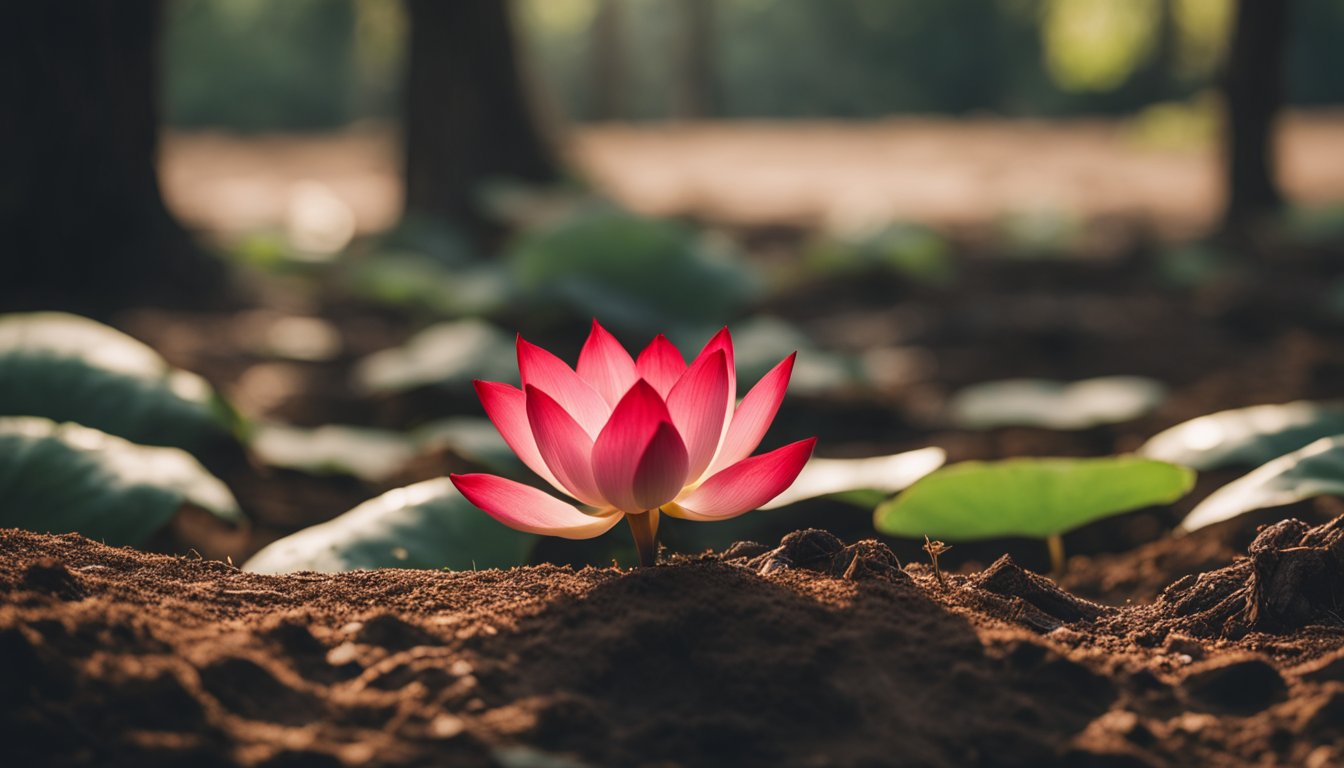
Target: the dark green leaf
(1316, 470)
(61, 478)
(426, 525)
(69, 368)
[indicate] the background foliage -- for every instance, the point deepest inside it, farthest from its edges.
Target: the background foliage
(310, 64)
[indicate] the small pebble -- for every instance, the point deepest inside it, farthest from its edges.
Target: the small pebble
(345, 653)
(446, 727)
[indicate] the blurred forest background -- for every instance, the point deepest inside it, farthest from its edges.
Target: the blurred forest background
(322, 64)
(809, 113)
(340, 212)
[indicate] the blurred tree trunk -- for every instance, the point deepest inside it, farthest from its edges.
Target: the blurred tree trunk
(83, 223)
(1253, 98)
(607, 57)
(697, 65)
(467, 119)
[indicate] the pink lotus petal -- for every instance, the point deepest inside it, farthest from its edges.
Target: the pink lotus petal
(565, 447)
(754, 415)
(506, 406)
(724, 341)
(525, 508)
(606, 365)
(549, 373)
(660, 364)
(661, 472)
(639, 460)
(749, 483)
(699, 423)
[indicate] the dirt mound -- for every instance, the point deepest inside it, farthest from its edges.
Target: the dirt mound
(812, 652)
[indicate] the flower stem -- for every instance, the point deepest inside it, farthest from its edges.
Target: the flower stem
(1056, 544)
(644, 527)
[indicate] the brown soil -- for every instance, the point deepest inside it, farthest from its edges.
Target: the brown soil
(812, 653)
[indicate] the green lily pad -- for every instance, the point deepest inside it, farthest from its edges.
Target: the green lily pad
(860, 480)
(63, 478)
(369, 454)
(1316, 470)
(1245, 436)
(1053, 404)
(1028, 497)
(426, 525)
(69, 368)
(639, 275)
(447, 354)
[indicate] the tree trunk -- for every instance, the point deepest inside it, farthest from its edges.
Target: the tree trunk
(83, 223)
(1253, 97)
(697, 68)
(607, 57)
(467, 118)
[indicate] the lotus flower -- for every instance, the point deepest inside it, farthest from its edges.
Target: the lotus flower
(630, 437)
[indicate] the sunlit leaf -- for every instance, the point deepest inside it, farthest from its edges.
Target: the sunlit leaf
(880, 474)
(369, 454)
(1245, 436)
(63, 478)
(1316, 470)
(69, 368)
(1054, 404)
(426, 525)
(447, 354)
(1028, 497)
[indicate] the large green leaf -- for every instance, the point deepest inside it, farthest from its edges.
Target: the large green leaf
(1054, 404)
(448, 354)
(69, 368)
(639, 275)
(1028, 497)
(881, 475)
(1316, 470)
(1245, 436)
(426, 525)
(61, 478)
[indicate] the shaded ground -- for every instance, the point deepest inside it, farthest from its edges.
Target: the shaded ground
(796, 173)
(806, 655)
